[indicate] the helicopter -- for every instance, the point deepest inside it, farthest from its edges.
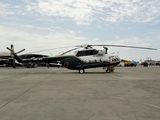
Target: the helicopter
(86, 58)
(9, 60)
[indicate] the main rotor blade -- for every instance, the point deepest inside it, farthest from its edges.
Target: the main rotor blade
(21, 51)
(8, 49)
(127, 46)
(69, 51)
(85, 45)
(51, 49)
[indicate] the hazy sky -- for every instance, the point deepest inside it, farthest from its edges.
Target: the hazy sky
(43, 24)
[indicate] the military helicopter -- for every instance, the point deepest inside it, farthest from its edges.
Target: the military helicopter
(86, 58)
(7, 59)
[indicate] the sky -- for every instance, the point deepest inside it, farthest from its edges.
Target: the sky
(44, 24)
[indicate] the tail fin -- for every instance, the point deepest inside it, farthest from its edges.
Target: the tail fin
(11, 50)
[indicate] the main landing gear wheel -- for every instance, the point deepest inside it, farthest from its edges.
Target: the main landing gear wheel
(81, 71)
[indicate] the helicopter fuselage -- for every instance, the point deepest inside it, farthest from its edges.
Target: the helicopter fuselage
(76, 63)
(89, 58)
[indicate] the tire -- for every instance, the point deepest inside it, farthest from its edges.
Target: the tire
(34, 66)
(14, 66)
(108, 71)
(81, 71)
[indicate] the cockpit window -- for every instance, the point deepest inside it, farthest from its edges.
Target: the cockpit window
(87, 53)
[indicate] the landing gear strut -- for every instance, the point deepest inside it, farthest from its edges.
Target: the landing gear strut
(110, 69)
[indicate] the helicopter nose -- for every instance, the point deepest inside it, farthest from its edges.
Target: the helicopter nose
(117, 59)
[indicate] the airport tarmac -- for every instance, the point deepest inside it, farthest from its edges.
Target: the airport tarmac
(130, 93)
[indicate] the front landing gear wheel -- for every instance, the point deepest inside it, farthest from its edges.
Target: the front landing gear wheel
(108, 71)
(81, 71)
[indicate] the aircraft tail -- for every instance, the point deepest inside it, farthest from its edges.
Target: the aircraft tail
(12, 51)
(14, 55)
